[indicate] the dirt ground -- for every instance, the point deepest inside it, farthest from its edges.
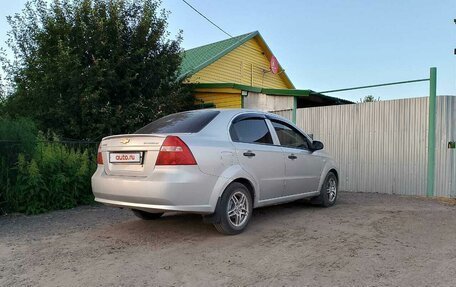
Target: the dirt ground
(365, 240)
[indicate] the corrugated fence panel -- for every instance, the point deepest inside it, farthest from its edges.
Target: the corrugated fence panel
(445, 172)
(382, 146)
(288, 114)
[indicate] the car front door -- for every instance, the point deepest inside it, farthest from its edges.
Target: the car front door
(302, 168)
(257, 154)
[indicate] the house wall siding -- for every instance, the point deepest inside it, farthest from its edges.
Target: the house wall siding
(244, 65)
(221, 100)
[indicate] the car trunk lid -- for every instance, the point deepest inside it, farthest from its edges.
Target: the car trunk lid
(131, 154)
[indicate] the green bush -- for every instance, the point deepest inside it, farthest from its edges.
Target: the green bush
(46, 175)
(16, 136)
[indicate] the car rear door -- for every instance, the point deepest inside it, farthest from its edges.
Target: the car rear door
(302, 168)
(257, 154)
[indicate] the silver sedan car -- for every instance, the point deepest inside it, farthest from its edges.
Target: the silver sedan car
(215, 162)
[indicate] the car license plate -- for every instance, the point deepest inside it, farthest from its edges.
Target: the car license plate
(125, 157)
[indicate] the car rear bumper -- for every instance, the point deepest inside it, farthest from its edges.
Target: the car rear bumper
(168, 188)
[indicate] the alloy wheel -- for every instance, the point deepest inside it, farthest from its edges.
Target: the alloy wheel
(331, 189)
(238, 209)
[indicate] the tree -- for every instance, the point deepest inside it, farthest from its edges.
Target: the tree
(2, 97)
(89, 68)
(369, 99)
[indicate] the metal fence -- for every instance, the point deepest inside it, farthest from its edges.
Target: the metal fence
(288, 114)
(445, 155)
(382, 146)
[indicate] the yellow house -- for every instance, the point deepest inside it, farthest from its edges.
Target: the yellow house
(239, 72)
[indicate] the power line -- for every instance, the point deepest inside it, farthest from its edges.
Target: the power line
(218, 27)
(202, 15)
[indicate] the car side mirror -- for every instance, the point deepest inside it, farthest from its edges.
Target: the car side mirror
(317, 145)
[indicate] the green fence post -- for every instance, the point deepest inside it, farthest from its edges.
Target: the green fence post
(295, 106)
(431, 132)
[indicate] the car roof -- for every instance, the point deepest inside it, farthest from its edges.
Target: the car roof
(233, 112)
(230, 113)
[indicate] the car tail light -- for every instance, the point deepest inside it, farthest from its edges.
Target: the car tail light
(175, 152)
(99, 156)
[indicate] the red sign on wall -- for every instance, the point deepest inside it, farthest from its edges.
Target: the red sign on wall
(274, 65)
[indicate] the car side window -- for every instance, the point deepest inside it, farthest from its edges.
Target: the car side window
(289, 136)
(251, 131)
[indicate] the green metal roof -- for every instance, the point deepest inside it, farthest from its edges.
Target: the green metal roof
(268, 91)
(312, 95)
(198, 58)
(226, 85)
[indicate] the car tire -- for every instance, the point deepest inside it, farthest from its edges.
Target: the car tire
(146, 215)
(328, 192)
(234, 209)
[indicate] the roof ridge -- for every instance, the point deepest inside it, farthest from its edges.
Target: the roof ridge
(217, 42)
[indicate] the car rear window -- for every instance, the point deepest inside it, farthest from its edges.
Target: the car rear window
(185, 122)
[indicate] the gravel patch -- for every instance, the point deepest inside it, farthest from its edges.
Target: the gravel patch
(364, 240)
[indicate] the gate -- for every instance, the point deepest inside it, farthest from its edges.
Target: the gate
(389, 146)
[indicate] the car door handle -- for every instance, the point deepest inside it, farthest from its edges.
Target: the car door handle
(292, 156)
(249, 154)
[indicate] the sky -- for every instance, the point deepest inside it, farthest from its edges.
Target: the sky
(331, 44)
